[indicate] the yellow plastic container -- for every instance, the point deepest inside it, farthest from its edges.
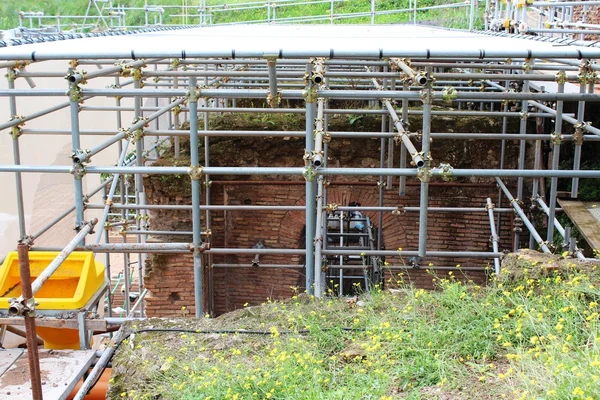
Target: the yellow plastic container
(73, 284)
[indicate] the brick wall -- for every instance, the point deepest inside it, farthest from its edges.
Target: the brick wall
(592, 17)
(169, 278)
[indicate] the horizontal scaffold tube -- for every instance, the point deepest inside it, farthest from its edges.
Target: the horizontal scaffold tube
(527, 173)
(289, 208)
(186, 248)
(462, 113)
(298, 94)
(389, 253)
(460, 51)
(333, 134)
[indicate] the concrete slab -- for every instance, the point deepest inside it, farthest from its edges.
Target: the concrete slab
(8, 357)
(60, 371)
(586, 217)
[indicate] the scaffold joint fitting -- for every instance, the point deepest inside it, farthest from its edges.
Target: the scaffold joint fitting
(195, 172)
(447, 172)
(449, 94)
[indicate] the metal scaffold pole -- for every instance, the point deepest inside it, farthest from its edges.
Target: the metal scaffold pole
(195, 172)
(309, 176)
(424, 171)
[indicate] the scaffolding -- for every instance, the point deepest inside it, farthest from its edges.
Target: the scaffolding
(564, 19)
(206, 70)
(108, 17)
(553, 18)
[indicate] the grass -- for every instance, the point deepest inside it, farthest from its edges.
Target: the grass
(534, 337)
(453, 18)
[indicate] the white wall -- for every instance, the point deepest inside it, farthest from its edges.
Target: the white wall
(46, 195)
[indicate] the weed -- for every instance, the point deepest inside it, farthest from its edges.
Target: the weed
(535, 337)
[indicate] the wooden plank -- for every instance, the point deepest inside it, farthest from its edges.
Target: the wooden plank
(61, 370)
(8, 357)
(581, 216)
(91, 324)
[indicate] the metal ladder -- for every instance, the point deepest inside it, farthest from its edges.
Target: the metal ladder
(351, 231)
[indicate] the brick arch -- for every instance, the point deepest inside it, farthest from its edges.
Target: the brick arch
(396, 229)
(394, 232)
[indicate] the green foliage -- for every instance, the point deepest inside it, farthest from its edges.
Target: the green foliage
(536, 337)
(589, 188)
(452, 17)
(353, 119)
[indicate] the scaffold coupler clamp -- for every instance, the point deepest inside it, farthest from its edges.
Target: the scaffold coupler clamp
(447, 172)
(424, 173)
(331, 207)
(17, 130)
(274, 101)
(309, 173)
(201, 248)
(75, 94)
(193, 94)
(78, 170)
(415, 262)
(578, 134)
(196, 172)
(310, 94)
(399, 210)
(556, 138)
(324, 264)
(18, 306)
(449, 94)
(561, 77)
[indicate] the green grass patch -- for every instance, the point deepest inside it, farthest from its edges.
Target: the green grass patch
(452, 17)
(534, 337)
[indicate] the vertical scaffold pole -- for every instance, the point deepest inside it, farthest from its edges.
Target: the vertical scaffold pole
(472, 15)
(207, 183)
(139, 184)
(494, 237)
(310, 192)
(196, 175)
(30, 330)
(326, 139)
(502, 153)
(318, 161)
(424, 172)
(527, 65)
(578, 138)
(557, 139)
(382, 152)
(16, 133)
(78, 169)
(372, 12)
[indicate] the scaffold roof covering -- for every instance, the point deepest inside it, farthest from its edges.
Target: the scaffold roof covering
(299, 41)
